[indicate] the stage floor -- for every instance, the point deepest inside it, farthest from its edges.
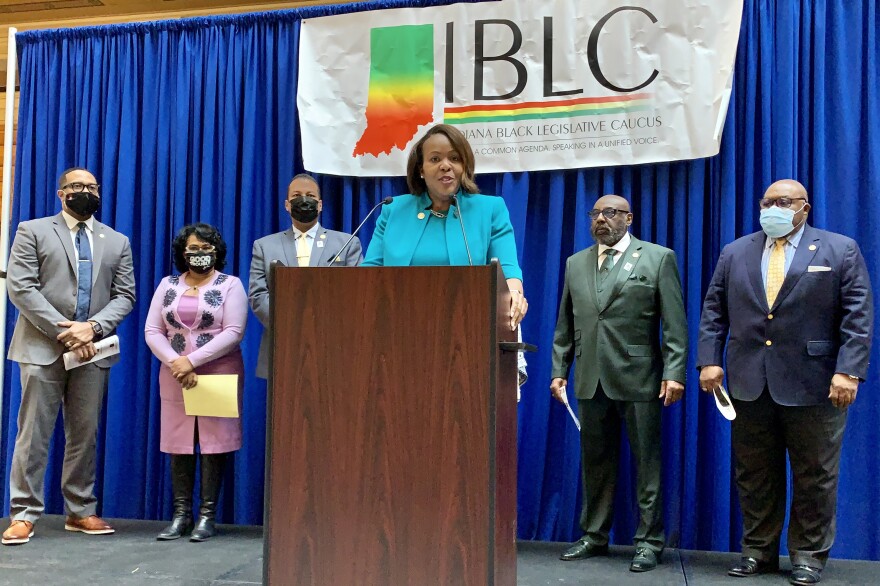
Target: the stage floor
(132, 556)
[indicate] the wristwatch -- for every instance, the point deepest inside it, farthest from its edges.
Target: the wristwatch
(97, 329)
(853, 377)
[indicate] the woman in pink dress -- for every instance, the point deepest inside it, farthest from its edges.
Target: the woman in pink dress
(194, 326)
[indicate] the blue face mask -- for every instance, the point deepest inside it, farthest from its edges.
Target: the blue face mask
(777, 222)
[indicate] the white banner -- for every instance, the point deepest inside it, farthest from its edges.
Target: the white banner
(549, 84)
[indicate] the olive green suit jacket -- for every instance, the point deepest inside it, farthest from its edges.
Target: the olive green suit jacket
(630, 337)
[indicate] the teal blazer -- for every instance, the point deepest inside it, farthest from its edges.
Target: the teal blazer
(486, 221)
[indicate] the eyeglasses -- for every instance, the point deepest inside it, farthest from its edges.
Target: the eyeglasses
(782, 202)
(80, 187)
(197, 249)
(607, 212)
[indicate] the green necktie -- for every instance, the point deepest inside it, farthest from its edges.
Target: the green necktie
(607, 265)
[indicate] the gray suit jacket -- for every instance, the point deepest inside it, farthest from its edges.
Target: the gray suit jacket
(41, 280)
(282, 246)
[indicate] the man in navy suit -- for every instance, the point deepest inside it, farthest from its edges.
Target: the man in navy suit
(797, 305)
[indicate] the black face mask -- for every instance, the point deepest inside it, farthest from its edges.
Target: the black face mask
(84, 203)
(303, 208)
(201, 262)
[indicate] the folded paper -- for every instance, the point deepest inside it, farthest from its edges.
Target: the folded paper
(215, 395)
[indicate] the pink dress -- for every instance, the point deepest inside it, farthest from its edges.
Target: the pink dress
(207, 328)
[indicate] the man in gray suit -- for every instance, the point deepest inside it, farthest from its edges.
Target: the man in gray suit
(305, 244)
(72, 280)
(622, 316)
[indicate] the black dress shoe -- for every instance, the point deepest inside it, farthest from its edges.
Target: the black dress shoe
(752, 567)
(805, 575)
(645, 560)
(583, 550)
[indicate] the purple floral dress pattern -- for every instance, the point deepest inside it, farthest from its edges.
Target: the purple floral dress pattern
(207, 320)
(169, 317)
(213, 297)
(178, 343)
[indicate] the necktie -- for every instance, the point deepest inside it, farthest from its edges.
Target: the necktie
(84, 274)
(607, 265)
(302, 251)
(775, 271)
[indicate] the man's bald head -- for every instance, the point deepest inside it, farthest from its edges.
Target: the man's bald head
(612, 201)
(787, 188)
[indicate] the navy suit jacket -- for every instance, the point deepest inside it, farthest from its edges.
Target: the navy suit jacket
(820, 324)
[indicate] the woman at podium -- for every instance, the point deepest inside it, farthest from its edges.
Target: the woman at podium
(194, 326)
(445, 220)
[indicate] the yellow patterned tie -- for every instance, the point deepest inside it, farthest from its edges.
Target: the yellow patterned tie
(775, 271)
(302, 251)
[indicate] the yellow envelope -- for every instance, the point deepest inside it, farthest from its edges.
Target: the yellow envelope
(215, 395)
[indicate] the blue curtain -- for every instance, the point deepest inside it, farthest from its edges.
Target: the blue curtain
(196, 120)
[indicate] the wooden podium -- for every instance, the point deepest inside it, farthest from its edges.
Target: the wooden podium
(391, 428)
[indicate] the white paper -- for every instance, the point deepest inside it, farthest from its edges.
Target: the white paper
(574, 418)
(106, 348)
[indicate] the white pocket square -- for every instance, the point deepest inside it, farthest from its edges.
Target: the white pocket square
(817, 269)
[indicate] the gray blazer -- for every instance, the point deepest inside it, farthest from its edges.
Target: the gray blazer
(282, 246)
(41, 280)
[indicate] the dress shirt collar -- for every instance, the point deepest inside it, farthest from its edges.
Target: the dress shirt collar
(620, 246)
(311, 232)
(72, 222)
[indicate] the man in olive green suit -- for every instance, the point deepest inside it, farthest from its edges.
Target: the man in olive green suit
(622, 316)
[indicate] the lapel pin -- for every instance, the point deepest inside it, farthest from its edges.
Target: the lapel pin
(635, 255)
(101, 236)
(812, 247)
(323, 236)
(421, 215)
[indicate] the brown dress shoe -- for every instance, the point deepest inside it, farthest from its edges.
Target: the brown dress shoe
(93, 525)
(18, 532)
